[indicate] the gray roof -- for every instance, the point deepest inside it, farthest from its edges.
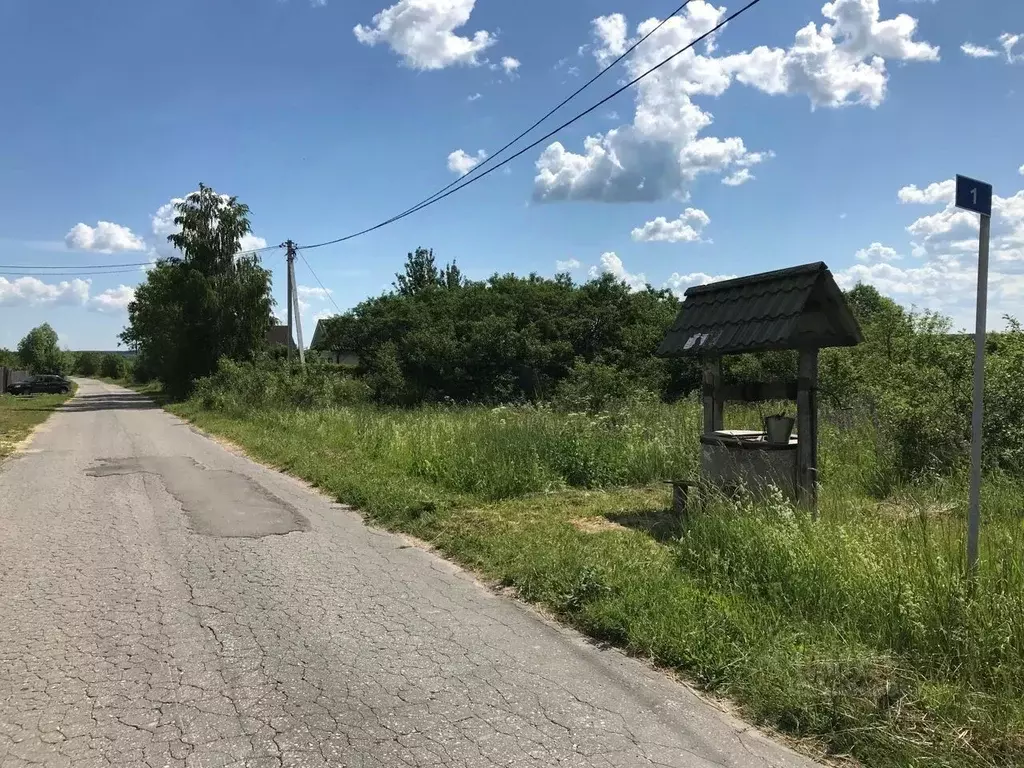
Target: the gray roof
(799, 307)
(277, 336)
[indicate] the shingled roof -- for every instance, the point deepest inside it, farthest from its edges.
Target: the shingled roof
(799, 307)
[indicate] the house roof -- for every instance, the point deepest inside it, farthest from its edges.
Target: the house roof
(318, 334)
(277, 336)
(799, 307)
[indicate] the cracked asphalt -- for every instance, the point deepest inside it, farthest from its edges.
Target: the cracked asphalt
(166, 602)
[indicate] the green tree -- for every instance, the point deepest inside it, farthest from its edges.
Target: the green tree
(8, 359)
(87, 364)
(38, 352)
(113, 366)
(207, 304)
(422, 274)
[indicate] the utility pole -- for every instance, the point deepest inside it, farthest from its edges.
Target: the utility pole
(291, 299)
(294, 317)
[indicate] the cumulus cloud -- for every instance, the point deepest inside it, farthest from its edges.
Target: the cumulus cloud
(686, 228)
(611, 264)
(938, 192)
(567, 266)
(944, 246)
(877, 252)
(461, 162)
(31, 291)
(422, 33)
(742, 176)
(678, 283)
(113, 299)
(510, 65)
(474, 96)
(842, 62)
(1021, 170)
(105, 237)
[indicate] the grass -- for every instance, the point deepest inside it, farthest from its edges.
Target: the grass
(857, 633)
(19, 415)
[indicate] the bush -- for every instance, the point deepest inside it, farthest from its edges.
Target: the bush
(87, 364)
(596, 387)
(113, 366)
(267, 384)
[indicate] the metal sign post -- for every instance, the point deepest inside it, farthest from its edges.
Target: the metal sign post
(974, 195)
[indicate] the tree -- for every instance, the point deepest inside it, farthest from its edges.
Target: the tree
(87, 364)
(113, 366)
(8, 359)
(422, 274)
(38, 351)
(207, 304)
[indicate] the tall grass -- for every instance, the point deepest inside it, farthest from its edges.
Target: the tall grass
(859, 629)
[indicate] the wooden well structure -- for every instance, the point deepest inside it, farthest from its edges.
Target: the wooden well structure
(800, 308)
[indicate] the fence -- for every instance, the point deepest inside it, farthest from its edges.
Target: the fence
(10, 376)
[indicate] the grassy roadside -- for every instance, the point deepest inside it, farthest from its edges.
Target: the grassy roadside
(856, 634)
(19, 415)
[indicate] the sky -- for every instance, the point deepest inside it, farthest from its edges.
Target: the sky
(798, 132)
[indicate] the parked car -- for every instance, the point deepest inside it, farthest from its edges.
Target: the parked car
(45, 383)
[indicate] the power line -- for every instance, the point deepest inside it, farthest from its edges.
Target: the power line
(524, 150)
(81, 267)
(479, 166)
(319, 282)
(90, 267)
(476, 169)
(6, 272)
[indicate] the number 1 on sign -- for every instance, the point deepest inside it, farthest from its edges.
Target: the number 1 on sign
(974, 196)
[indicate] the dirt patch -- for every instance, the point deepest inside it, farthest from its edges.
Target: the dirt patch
(595, 525)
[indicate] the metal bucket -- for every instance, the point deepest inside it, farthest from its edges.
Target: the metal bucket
(777, 429)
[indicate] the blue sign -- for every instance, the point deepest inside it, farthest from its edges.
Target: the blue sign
(973, 195)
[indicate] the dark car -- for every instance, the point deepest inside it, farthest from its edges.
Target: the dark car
(40, 384)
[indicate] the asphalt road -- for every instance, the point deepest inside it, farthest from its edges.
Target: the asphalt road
(165, 602)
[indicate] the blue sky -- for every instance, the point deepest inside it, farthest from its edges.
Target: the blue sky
(804, 132)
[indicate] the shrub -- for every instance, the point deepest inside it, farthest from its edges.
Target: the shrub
(87, 364)
(595, 387)
(113, 366)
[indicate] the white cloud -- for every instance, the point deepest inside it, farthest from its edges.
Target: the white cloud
(113, 299)
(461, 162)
(978, 51)
(510, 65)
(314, 292)
(877, 252)
(945, 247)
(567, 266)
(938, 192)
(678, 283)
(611, 264)
(422, 32)
(474, 96)
(31, 291)
(742, 176)
(105, 237)
(664, 148)
(163, 227)
(685, 229)
(1021, 170)
(1008, 42)
(251, 242)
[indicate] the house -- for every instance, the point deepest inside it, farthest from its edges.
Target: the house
(277, 336)
(329, 355)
